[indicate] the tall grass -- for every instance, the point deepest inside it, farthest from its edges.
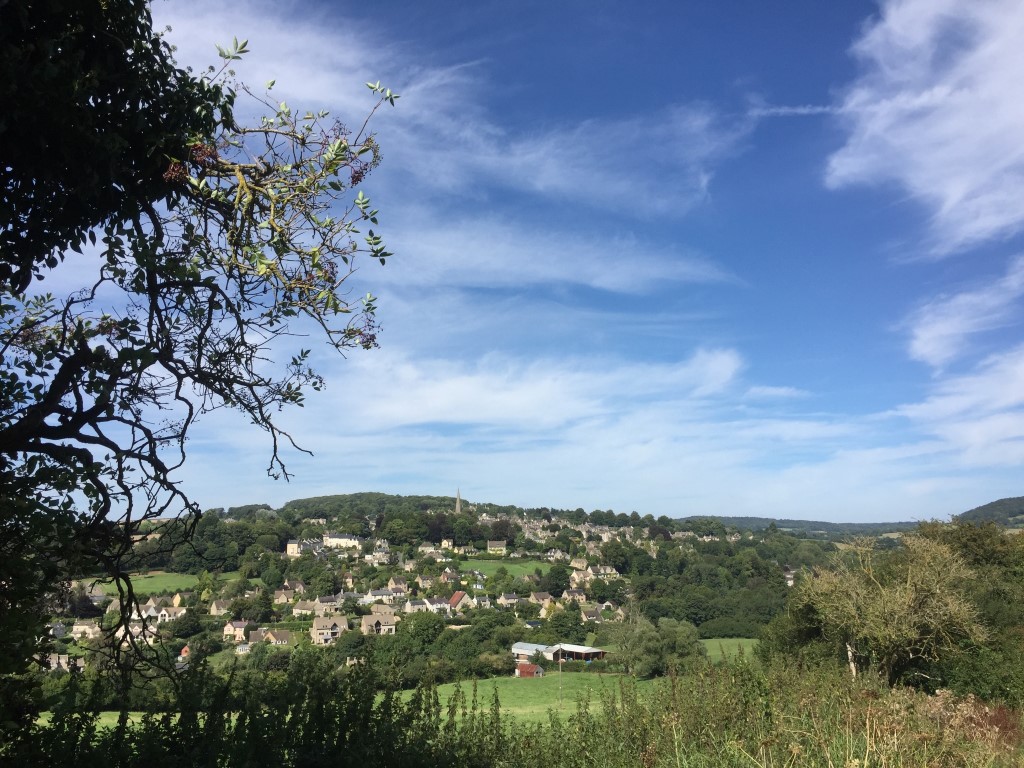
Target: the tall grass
(724, 715)
(738, 715)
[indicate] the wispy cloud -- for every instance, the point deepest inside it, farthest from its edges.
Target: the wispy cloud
(804, 110)
(660, 162)
(655, 163)
(941, 329)
(492, 251)
(979, 415)
(533, 395)
(932, 112)
(674, 438)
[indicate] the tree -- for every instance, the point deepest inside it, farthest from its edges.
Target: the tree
(556, 580)
(422, 629)
(566, 625)
(888, 613)
(215, 243)
(187, 625)
(647, 650)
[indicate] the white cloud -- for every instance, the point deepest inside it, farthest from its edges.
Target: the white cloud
(657, 163)
(488, 251)
(321, 66)
(997, 385)
(667, 438)
(936, 110)
(532, 396)
(660, 162)
(803, 110)
(979, 416)
(941, 329)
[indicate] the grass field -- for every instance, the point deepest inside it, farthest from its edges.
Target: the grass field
(153, 582)
(514, 567)
(722, 647)
(157, 581)
(104, 720)
(530, 700)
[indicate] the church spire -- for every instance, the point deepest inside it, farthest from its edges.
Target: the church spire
(458, 502)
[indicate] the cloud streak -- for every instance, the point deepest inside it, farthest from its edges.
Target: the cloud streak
(493, 252)
(941, 330)
(646, 164)
(930, 112)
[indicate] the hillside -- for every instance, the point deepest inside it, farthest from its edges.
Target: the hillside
(1008, 512)
(811, 528)
(356, 510)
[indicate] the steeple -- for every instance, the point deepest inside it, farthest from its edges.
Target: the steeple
(458, 502)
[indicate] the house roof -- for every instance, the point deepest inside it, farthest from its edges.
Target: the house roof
(571, 648)
(528, 648)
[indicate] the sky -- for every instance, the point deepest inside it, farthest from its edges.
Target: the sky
(705, 258)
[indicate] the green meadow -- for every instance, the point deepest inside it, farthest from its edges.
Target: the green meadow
(530, 700)
(719, 648)
(155, 582)
(515, 568)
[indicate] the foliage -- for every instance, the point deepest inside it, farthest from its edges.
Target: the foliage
(733, 714)
(215, 243)
(648, 650)
(93, 107)
(994, 671)
(892, 611)
(1009, 512)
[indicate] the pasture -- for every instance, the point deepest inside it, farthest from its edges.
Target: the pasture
(719, 648)
(156, 582)
(515, 568)
(530, 700)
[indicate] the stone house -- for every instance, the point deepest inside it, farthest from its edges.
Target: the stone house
(377, 624)
(327, 629)
(234, 632)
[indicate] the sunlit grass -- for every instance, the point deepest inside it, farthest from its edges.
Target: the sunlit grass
(153, 582)
(530, 700)
(719, 648)
(515, 568)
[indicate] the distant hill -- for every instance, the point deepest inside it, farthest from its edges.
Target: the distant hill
(1008, 512)
(357, 510)
(812, 528)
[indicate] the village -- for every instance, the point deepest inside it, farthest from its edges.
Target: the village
(380, 586)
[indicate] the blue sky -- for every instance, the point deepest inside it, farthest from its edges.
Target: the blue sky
(731, 258)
